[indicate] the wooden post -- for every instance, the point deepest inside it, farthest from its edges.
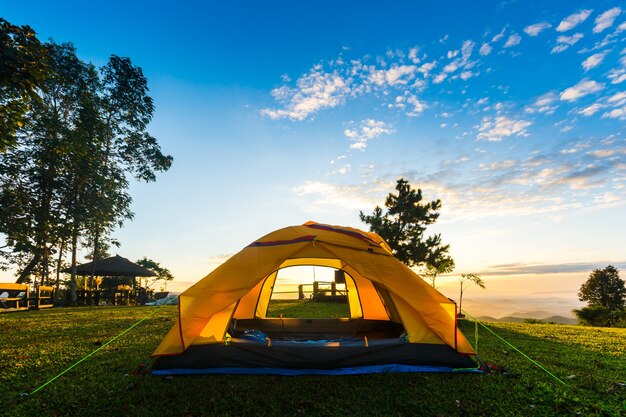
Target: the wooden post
(300, 292)
(333, 288)
(38, 301)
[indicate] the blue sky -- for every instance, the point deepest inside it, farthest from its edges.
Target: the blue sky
(512, 113)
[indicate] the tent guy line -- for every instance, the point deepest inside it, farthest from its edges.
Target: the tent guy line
(89, 355)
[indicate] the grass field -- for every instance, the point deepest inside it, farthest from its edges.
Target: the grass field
(36, 346)
(306, 310)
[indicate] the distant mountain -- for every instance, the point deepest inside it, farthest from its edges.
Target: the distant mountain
(560, 320)
(516, 319)
(532, 314)
(487, 318)
(512, 319)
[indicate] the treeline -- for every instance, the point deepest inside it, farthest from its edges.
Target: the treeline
(72, 136)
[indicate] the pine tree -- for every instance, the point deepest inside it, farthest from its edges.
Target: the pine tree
(403, 226)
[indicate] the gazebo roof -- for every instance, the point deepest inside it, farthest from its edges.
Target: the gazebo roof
(115, 266)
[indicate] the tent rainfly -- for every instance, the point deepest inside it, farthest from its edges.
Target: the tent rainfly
(397, 323)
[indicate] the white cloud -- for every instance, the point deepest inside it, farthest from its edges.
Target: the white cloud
(400, 74)
(536, 161)
(452, 66)
(606, 198)
(575, 149)
(394, 76)
(368, 129)
(583, 88)
(509, 163)
(418, 106)
(458, 62)
(534, 30)
(543, 104)
(617, 75)
(460, 160)
(605, 20)
(618, 99)
(591, 110)
(465, 75)
(344, 169)
(563, 42)
(513, 40)
(413, 55)
(339, 158)
(466, 50)
(593, 61)
(315, 91)
(331, 196)
(545, 99)
(495, 129)
(427, 67)
(485, 49)
(618, 113)
(499, 35)
(573, 20)
(439, 78)
(602, 153)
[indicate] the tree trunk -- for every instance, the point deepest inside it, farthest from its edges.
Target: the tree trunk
(59, 261)
(23, 276)
(73, 278)
(94, 258)
(44, 266)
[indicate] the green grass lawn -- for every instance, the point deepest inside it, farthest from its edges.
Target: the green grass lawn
(36, 346)
(307, 310)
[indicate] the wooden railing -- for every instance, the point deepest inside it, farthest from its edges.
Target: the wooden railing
(42, 297)
(321, 288)
(20, 297)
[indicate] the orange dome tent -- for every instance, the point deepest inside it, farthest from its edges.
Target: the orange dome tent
(397, 321)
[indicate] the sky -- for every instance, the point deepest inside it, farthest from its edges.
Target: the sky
(513, 113)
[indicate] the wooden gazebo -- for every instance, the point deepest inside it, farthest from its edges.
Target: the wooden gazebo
(115, 266)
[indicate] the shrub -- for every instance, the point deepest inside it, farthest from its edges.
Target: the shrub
(601, 316)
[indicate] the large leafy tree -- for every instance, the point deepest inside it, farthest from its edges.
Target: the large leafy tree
(605, 294)
(403, 225)
(66, 180)
(124, 111)
(24, 64)
(604, 288)
(33, 173)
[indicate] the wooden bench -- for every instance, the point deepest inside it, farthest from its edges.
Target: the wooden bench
(13, 297)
